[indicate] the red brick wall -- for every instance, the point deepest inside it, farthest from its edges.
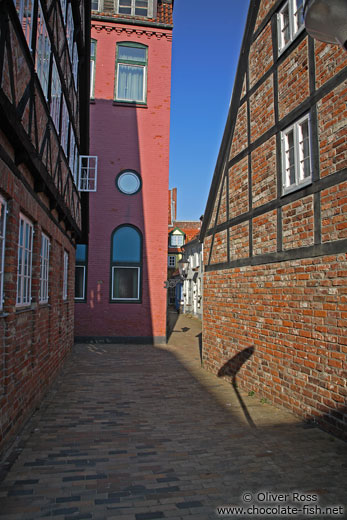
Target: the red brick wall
(128, 137)
(34, 339)
(294, 315)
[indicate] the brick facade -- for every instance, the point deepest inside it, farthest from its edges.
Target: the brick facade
(279, 285)
(128, 136)
(36, 182)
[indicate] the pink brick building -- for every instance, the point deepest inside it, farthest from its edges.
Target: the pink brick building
(120, 293)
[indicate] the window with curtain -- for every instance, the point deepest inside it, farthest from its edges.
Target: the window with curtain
(131, 72)
(126, 264)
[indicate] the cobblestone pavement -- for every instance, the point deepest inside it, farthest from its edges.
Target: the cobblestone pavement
(139, 433)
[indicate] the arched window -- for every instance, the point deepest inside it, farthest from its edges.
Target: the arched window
(126, 263)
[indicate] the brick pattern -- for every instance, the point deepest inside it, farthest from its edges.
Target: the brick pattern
(265, 6)
(265, 233)
(293, 80)
(238, 188)
(260, 56)
(239, 241)
(222, 214)
(294, 315)
(264, 180)
(219, 248)
(329, 61)
(212, 222)
(332, 119)
(240, 137)
(262, 109)
(36, 338)
(333, 212)
(298, 223)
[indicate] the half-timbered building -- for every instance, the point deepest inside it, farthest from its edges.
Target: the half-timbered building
(44, 97)
(275, 230)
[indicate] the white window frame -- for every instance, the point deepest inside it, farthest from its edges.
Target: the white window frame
(64, 130)
(114, 267)
(65, 275)
(98, 8)
(70, 30)
(75, 64)
(24, 264)
(73, 155)
(55, 96)
(3, 214)
(63, 9)
(294, 28)
(25, 15)
(80, 266)
(92, 67)
(44, 268)
(133, 7)
(300, 180)
(88, 173)
(170, 258)
(43, 52)
(172, 241)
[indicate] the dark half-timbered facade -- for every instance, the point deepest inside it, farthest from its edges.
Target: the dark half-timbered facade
(275, 230)
(44, 120)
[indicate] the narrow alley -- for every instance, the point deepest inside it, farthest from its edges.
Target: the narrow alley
(139, 432)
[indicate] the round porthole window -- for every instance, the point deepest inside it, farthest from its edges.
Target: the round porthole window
(128, 182)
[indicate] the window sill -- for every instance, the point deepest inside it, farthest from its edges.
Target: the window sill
(126, 301)
(129, 104)
(296, 187)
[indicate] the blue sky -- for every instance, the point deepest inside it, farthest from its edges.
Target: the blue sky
(205, 52)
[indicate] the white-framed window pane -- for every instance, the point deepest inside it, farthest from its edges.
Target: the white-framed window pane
(3, 210)
(65, 275)
(92, 66)
(80, 280)
(124, 7)
(284, 25)
(296, 154)
(177, 240)
(304, 150)
(172, 260)
(73, 154)
(69, 29)
(290, 158)
(55, 96)
(64, 131)
(125, 283)
(95, 5)
(88, 173)
(130, 82)
(44, 268)
(43, 51)
(24, 268)
(25, 14)
(298, 12)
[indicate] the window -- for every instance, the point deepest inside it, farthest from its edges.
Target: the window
(95, 5)
(131, 70)
(80, 272)
(176, 240)
(55, 96)
(290, 22)
(3, 209)
(63, 9)
(44, 268)
(43, 52)
(65, 275)
(75, 64)
(25, 14)
(64, 131)
(296, 161)
(92, 67)
(128, 182)
(126, 256)
(135, 7)
(172, 260)
(73, 155)
(24, 269)
(69, 30)
(88, 173)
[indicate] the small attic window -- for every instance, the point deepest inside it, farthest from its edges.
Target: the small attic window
(135, 7)
(176, 240)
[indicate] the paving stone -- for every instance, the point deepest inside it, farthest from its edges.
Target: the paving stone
(135, 431)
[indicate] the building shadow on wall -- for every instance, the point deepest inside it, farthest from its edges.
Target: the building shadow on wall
(230, 370)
